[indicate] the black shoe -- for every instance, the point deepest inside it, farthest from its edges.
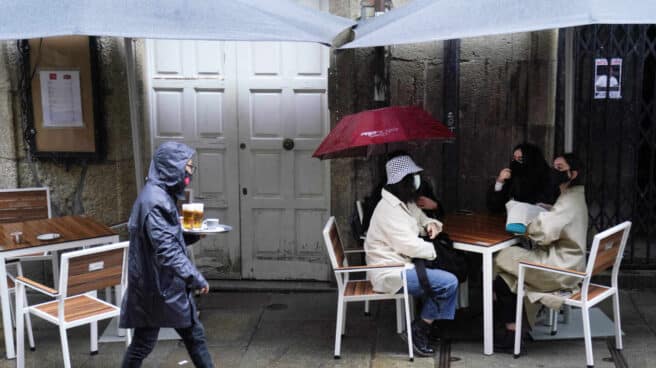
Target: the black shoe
(420, 341)
(504, 341)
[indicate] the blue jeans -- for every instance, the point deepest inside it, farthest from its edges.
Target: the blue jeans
(445, 288)
(145, 338)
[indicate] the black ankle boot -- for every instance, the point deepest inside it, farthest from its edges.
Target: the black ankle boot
(420, 342)
(504, 341)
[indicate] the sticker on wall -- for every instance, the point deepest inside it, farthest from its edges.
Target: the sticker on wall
(608, 78)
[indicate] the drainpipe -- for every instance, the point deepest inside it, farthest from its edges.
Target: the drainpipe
(381, 84)
(381, 72)
(451, 107)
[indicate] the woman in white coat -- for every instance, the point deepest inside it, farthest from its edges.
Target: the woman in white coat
(393, 237)
(560, 238)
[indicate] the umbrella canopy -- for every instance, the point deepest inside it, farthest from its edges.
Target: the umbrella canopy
(234, 20)
(433, 20)
(355, 134)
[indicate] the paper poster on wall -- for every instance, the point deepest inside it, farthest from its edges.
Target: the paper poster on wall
(608, 79)
(601, 78)
(60, 98)
(615, 88)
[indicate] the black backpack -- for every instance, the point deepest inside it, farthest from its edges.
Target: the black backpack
(448, 258)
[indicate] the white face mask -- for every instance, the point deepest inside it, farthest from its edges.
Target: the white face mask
(417, 181)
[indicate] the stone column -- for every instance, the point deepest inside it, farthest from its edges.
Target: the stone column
(8, 175)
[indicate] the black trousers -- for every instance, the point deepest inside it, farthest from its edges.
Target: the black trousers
(145, 339)
(506, 304)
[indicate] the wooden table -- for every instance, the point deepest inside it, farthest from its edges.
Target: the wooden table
(484, 234)
(75, 231)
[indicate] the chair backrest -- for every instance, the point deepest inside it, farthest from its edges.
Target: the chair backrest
(93, 268)
(607, 250)
(24, 204)
(333, 243)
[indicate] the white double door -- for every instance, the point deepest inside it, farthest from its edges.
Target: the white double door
(254, 112)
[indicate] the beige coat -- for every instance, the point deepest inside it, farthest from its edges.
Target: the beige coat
(560, 236)
(393, 238)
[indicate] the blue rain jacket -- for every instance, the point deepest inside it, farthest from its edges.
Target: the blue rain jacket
(160, 275)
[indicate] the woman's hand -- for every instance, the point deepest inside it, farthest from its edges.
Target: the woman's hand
(504, 175)
(432, 230)
(426, 203)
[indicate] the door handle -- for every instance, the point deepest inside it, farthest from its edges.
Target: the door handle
(244, 191)
(288, 144)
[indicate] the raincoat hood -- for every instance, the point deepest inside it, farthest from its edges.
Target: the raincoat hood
(167, 168)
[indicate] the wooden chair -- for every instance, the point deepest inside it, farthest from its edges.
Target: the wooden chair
(24, 204)
(361, 290)
(11, 283)
(83, 272)
(361, 238)
(607, 251)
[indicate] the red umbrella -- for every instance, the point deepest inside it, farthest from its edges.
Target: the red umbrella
(355, 134)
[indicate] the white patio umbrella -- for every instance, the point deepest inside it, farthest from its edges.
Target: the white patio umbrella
(234, 20)
(434, 20)
(227, 20)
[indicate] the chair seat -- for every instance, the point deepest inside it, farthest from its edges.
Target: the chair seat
(593, 292)
(77, 307)
(359, 288)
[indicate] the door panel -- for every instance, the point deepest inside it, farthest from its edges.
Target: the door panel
(193, 100)
(215, 96)
(168, 112)
(282, 95)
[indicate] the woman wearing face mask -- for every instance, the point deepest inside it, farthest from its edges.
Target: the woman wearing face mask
(394, 237)
(526, 179)
(560, 238)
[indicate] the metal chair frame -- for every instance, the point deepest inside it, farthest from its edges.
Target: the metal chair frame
(344, 287)
(601, 258)
(62, 295)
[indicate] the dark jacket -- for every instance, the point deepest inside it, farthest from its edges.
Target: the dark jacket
(529, 182)
(160, 275)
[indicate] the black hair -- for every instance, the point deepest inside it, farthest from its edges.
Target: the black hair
(404, 190)
(530, 179)
(532, 156)
(575, 164)
(397, 153)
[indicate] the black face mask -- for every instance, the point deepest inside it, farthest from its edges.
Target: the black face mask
(559, 177)
(516, 167)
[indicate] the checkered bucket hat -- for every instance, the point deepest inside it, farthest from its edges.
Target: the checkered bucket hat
(400, 166)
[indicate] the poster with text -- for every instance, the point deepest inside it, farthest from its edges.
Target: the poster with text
(61, 98)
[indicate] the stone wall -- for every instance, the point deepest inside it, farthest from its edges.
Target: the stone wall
(103, 189)
(507, 95)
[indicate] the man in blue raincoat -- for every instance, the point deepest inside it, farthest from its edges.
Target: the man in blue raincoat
(161, 278)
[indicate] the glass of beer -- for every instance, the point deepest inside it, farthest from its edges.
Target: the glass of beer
(187, 216)
(197, 216)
